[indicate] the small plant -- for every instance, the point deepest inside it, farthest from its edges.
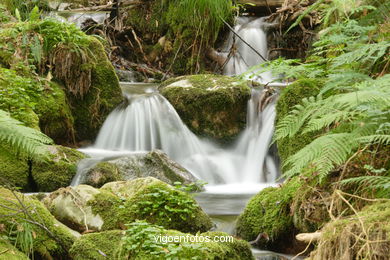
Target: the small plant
(166, 205)
(140, 241)
(23, 235)
(192, 187)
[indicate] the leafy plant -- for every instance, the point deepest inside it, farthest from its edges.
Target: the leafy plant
(23, 236)
(192, 187)
(166, 205)
(141, 240)
(22, 140)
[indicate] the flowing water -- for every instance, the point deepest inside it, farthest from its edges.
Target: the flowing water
(235, 173)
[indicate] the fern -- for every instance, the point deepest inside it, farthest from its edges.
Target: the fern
(23, 140)
(381, 184)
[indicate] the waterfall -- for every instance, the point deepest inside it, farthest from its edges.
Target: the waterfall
(148, 121)
(240, 56)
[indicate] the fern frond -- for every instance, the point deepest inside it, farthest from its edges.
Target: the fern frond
(23, 140)
(322, 154)
(370, 182)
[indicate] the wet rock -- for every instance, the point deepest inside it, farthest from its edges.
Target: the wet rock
(16, 208)
(85, 208)
(152, 164)
(210, 105)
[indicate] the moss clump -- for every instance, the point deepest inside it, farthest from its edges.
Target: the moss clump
(48, 246)
(362, 236)
(101, 174)
(55, 117)
(210, 105)
(103, 95)
(269, 213)
(102, 245)
(292, 95)
(58, 171)
(13, 170)
(9, 252)
(152, 200)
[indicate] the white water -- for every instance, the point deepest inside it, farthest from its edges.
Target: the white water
(242, 57)
(150, 122)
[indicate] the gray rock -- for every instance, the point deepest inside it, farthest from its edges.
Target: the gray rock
(151, 164)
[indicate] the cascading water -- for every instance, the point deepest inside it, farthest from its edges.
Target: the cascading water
(150, 122)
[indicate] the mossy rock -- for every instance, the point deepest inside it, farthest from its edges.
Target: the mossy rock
(362, 236)
(96, 246)
(290, 96)
(108, 245)
(268, 213)
(55, 116)
(58, 171)
(119, 203)
(101, 174)
(151, 164)
(103, 96)
(9, 252)
(210, 105)
(39, 107)
(48, 246)
(14, 170)
(154, 201)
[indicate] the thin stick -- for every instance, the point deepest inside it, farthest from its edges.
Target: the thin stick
(253, 49)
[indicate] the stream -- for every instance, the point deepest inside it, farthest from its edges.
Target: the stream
(147, 121)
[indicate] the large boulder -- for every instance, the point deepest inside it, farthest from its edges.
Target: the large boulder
(267, 219)
(39, 174)
(151, 164)
(210, 105)
(141, 241)
(118, 203)
(104, 95)
(52, 240)
(58, 171)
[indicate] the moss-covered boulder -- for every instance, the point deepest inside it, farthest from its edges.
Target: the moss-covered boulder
(96, 246)
(267, 217)
(102, 97)
(151, 164)
(100, 174)
(58, 171)
(146, 241)
(37, 104)
(14, 170)
(362, 236)
(210, 105)
(9, 252)
(290, 96)
(117, 203)
(54, 113)
(51, 240)
(39, 174)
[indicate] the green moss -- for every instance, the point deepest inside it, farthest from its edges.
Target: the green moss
(95, 246)
(13, 170)
(58, 171)
(291, 96)
(103, 96)
(268, 212)
(9, 252)
(17, 96)
(55, 117)
(210, 105)
(152, 200)
(101, 174)
(47, 246)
